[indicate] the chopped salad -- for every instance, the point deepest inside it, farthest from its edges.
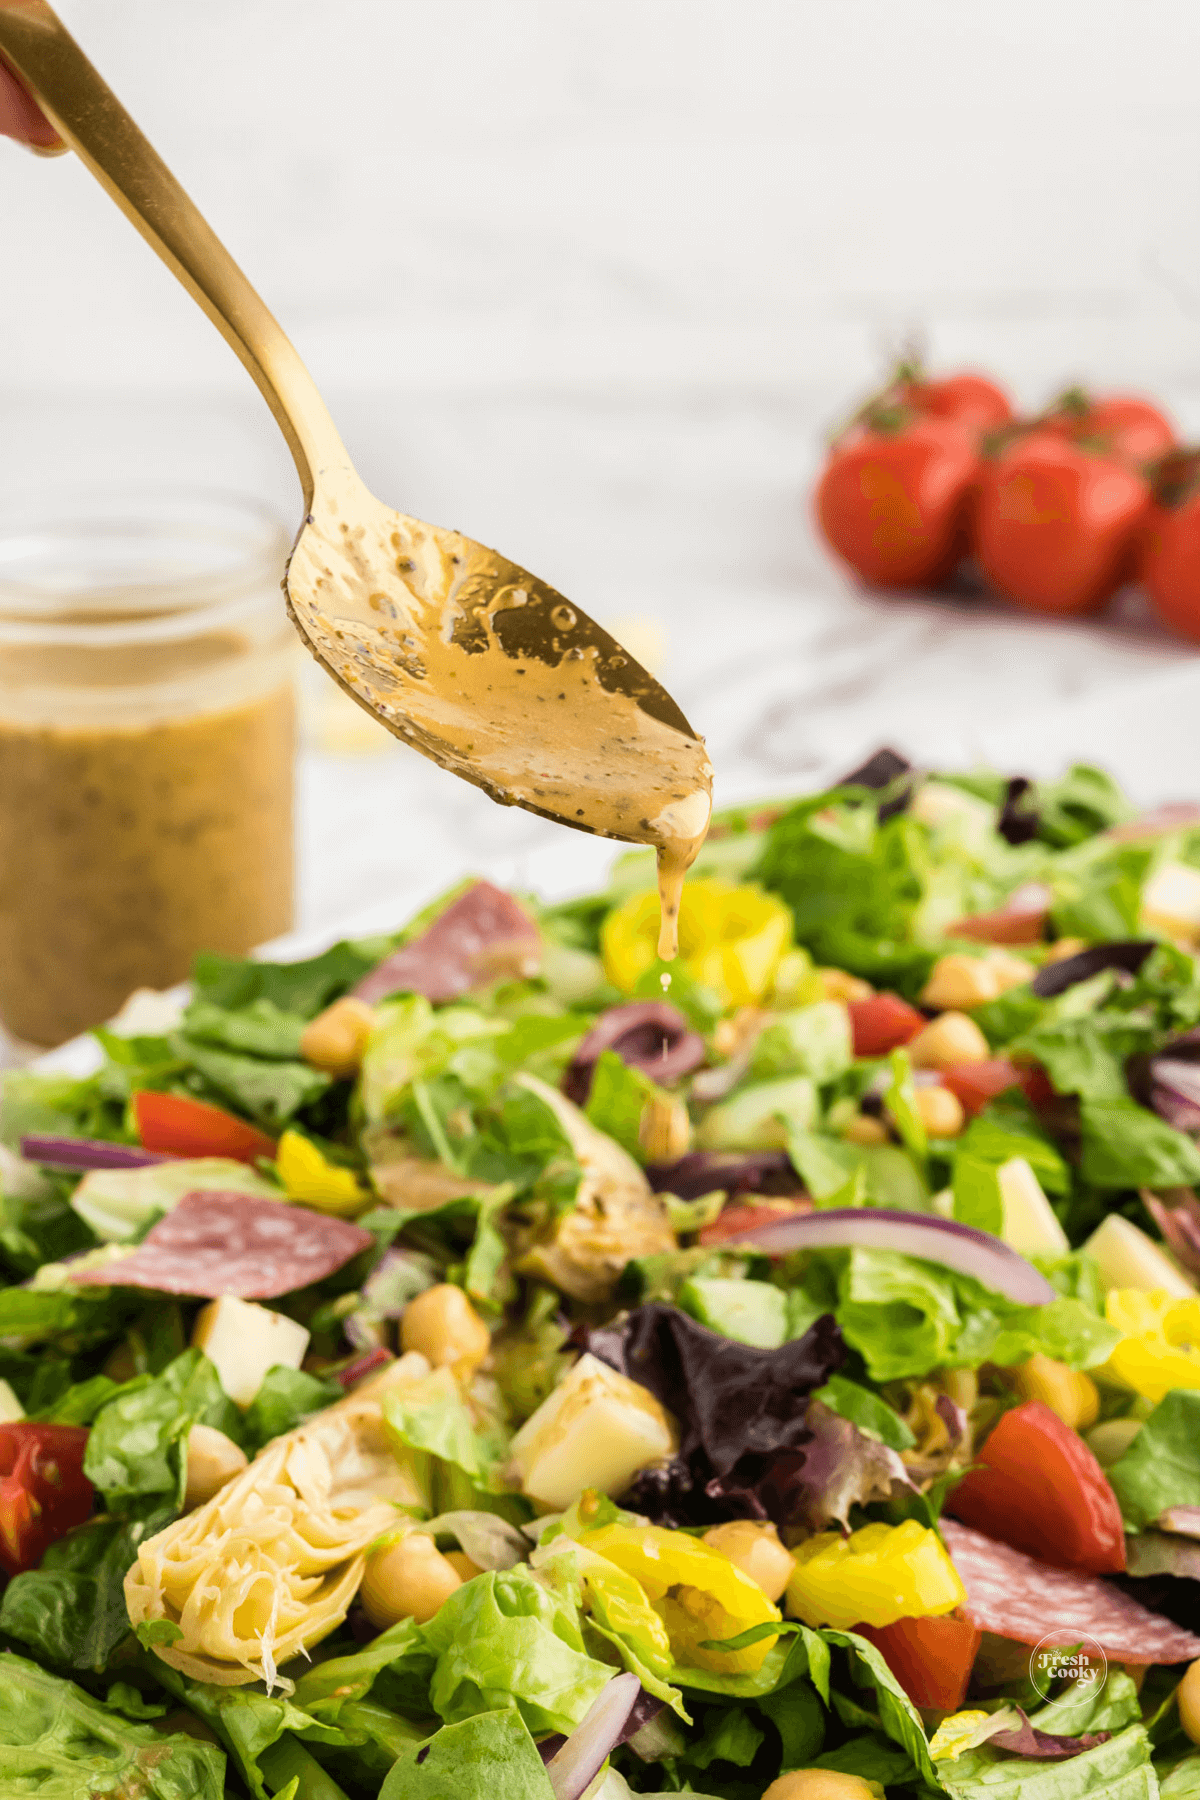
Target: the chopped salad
(486, 1361)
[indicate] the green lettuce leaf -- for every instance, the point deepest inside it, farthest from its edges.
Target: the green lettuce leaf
(811, 1040)
(259, 1029)
(1125, 1146)
(866, 1410)
(1161, 1468)
(490, 1756)
(906, 1317)
(57, 1743)
(138, 1444)
(1117, 1770)
(617, 1098)
(71, 1610)
(286, 1398)
(305, 988)
(503, 1639)
(271, 1093)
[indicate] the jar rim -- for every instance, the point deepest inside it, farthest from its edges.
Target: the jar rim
(124, 563)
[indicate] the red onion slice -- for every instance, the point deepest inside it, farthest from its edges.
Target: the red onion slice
(945, 1241)
(369, 1363)
(88, 1153)
(573, 1768)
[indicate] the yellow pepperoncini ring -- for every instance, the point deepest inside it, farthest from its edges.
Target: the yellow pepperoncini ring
(874, 1577)
(697, 1592)
(732, 938)
(1160, 1345)
(312, 1179)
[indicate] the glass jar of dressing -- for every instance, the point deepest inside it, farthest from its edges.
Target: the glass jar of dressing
(146, 749)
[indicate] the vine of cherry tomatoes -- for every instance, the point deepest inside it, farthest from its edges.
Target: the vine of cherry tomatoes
(1057, 511)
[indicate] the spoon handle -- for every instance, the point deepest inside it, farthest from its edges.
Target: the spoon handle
(87, 114)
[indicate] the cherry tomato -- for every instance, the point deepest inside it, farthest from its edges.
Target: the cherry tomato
(1042, 1491)
(43, 1489)
(970, 400)
(893, 504)
(184, 1127)
(930, 1658)
(1171, 544)
(1121, 424)
(883, 1023)
(1056, 526)
(741, 1216)
(974, 1084)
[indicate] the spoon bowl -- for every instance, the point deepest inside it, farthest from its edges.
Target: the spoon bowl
(459, 652)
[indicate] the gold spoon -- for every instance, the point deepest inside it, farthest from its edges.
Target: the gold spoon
(464, 655)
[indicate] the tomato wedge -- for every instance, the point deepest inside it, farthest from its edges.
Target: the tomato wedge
(930, 1658)
(743, 1216)
(43, 1489)
(883, 1023)
(180, 1126)
(974, 1084)
(1042, 1491)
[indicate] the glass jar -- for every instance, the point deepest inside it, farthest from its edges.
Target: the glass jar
(146, 748)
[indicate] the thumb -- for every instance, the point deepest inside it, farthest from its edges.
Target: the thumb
(20, 118)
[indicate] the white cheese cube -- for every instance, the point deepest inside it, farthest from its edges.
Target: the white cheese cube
(10, 1407)
(243, 1341)
(596, 1430)
(1127, 1258)
(1171, 902)
(1030, 1224)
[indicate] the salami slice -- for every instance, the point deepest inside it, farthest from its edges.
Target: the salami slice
(481, 936)
(221, 1243)
(1015, 1596)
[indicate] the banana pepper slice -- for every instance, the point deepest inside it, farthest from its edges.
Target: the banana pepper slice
(1160, 1348)
(697, 1592)
(732, 938)
(873, 1577)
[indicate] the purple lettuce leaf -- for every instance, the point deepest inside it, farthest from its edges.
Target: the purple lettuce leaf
(737, 1171)
(1176, 1212)
(731, 1399)
(1026, 1740)
(646, 1034)
(1056, 977)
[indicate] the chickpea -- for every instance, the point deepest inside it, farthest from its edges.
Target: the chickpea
(1067, 1392)
(960, 981)
(665, 1131)
(1109, 1442)
(738, 1030)
(443, 1325)
(836, 984)
(460, 1562)
(212, 1460)
(335, 1039)
(940, 1112)
(863, 1129)
(945, 1041)
(755, 1549)
(1189, 1702)
(820, 1784)
(407, 1580)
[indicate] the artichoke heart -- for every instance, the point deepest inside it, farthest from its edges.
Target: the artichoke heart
(272, 1563)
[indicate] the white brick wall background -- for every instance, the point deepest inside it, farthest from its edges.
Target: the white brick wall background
(588, 279)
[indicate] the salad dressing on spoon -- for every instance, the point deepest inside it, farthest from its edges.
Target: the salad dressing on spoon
(467, 657)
